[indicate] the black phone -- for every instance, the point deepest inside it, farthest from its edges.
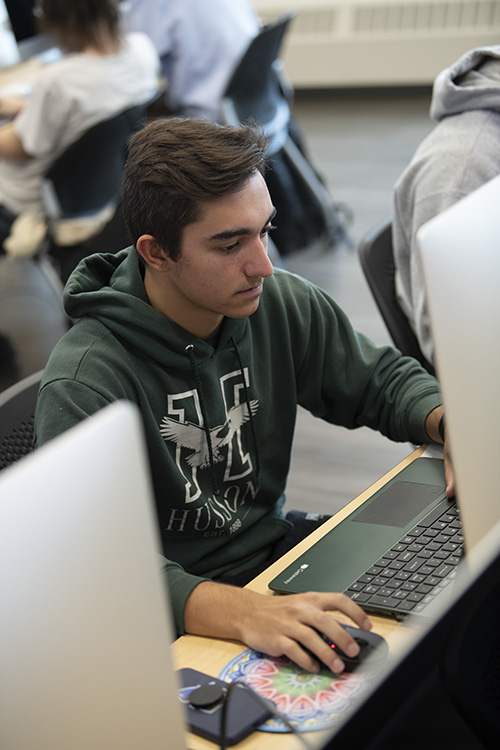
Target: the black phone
(203, 697)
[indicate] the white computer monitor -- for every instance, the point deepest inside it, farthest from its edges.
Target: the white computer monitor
(85, 629)
(22, 23)
(460, 251)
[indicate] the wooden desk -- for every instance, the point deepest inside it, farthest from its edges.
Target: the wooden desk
(211, 655)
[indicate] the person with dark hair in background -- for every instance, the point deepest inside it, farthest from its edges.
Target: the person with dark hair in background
(217, 350)
(102, 73)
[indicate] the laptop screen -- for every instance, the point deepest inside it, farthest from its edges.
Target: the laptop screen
(21, 22)
(22, 18)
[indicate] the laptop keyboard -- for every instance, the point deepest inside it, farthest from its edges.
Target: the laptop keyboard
(415, 569)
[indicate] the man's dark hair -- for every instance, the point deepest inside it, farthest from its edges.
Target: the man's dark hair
(79, 23)
(174, 165)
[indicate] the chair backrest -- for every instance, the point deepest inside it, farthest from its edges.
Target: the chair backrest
(377, 262)
(86, 177)
(249, 78)
(32, 317)
(17, 415)
(254, 92)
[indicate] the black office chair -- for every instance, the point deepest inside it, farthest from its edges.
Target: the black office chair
(258, 92)
(83, 181)
(32, 318)
(377, 262)
(17, 416)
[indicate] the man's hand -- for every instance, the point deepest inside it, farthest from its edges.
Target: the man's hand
(448, 471)
(432, 429)
(276, 625)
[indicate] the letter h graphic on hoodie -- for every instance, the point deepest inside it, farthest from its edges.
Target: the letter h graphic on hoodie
(200, 446)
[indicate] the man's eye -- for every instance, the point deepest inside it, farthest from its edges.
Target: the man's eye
(230, 248)
(268, 229)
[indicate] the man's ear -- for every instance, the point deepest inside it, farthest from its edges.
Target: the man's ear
(151, 252)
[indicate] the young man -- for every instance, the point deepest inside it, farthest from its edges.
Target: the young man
(193, 326)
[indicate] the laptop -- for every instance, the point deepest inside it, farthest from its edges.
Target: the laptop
(375, 555)
(85, 631)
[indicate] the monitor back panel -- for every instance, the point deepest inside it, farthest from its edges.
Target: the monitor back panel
(85, 631)
(460, 250)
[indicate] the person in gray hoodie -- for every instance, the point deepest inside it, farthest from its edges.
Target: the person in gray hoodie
(460, 154)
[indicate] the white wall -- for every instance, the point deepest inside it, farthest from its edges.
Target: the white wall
(341, 43)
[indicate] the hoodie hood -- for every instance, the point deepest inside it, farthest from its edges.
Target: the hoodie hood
(109, 288)
(471, 83)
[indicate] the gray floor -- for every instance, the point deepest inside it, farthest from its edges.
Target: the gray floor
(360, 143)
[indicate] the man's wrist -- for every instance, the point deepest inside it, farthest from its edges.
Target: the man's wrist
(217, 610)
(442, 428)
(433, 425)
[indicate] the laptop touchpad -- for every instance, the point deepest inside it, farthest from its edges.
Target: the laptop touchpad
(399, 504)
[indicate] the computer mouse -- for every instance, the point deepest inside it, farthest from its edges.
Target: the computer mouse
(370, 645)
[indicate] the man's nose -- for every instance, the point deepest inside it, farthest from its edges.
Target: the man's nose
(259, 263)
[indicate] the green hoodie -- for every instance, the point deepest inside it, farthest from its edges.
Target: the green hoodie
(219, 420)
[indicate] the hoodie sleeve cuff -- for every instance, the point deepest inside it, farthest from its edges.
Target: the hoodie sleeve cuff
(418, 417)
(179, 586)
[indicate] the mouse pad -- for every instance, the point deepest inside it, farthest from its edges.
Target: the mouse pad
(309, 701)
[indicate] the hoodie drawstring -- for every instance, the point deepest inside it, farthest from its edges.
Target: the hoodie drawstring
(189, 349)
(194, 369)
(250, 414)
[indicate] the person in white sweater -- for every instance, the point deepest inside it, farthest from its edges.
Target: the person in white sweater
(101, 73)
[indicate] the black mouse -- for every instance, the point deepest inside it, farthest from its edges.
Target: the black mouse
(370, 644)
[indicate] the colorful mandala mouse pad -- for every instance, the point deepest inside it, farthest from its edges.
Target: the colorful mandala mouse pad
(309, 701)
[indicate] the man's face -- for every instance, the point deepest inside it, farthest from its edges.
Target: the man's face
(223, 261)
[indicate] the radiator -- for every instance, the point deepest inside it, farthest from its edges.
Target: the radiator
(357, 43)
